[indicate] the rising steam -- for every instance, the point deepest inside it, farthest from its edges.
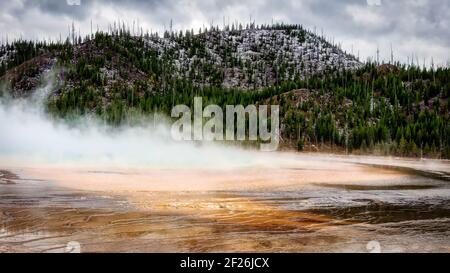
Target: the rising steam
(29, 134)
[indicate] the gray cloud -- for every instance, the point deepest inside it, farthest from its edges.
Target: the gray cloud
(414, 27)
(60, 8)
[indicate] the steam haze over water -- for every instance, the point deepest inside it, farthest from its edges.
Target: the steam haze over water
(28, 133)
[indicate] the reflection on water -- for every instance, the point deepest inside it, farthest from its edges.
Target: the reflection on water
(404, 213)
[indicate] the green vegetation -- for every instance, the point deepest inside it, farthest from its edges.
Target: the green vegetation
(385, 109)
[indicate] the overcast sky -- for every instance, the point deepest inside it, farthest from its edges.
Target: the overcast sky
(414, 27)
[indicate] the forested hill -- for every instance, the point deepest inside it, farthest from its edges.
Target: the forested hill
(329, 100)
(250, 58)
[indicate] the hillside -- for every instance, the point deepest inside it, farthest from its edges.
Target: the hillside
(328, 99)
(246, 59)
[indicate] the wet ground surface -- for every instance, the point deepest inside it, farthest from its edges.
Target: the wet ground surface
(406, 214)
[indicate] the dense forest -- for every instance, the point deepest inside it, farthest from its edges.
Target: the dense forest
(329, 101)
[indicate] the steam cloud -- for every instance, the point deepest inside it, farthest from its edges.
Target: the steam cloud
(29, 134)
